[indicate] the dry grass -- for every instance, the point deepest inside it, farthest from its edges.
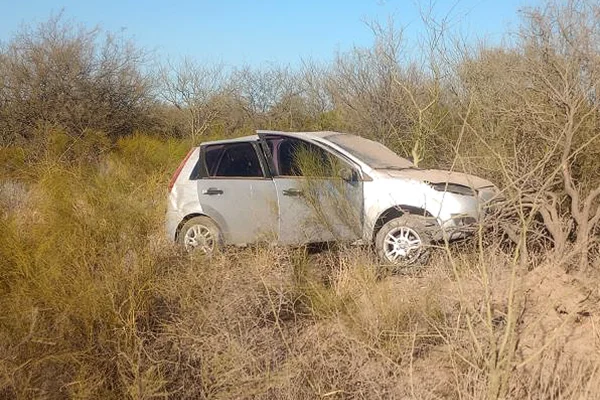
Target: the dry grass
(96, 304)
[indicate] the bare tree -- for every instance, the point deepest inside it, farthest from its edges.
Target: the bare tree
(562, 47)
(312, 79)
(385, 93)
(535, 111)
(66, 75)
(361, 84)
(271, 96)
(194, 89)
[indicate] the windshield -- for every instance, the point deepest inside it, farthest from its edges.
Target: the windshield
(372, 153)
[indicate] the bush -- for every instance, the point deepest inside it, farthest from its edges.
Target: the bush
(62, 75)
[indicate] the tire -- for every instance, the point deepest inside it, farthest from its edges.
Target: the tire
(200, 234)
(404, 241)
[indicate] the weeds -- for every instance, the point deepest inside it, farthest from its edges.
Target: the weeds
(96, 304)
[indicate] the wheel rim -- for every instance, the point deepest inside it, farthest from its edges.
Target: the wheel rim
(199, 237)
(402, 244)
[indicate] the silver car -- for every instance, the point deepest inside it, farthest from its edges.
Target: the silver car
(296, 188)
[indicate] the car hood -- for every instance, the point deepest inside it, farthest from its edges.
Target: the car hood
(439, 176)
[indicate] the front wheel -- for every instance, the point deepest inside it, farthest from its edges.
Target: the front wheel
(403, 241)
(200, 233)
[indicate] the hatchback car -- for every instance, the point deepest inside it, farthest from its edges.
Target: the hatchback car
(296, 188)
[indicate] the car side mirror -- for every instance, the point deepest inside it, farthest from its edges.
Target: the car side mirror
(348, 174)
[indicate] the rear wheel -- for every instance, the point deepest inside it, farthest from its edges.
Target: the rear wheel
(200, 233)
(404, 241)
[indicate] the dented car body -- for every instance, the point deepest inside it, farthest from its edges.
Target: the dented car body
(304, 187)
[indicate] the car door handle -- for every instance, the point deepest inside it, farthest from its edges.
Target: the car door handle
(212, 191)
(292, 192)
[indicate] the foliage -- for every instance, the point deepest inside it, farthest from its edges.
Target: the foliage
(66, 76)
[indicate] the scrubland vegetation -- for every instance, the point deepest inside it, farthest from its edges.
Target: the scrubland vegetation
(96, 303)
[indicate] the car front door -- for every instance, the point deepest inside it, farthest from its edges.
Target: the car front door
(319, 194)
(236, 190)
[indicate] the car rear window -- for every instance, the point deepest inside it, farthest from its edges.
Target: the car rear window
(232, 160)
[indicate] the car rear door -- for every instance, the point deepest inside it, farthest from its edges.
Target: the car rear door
(236, 190)
(315, 203)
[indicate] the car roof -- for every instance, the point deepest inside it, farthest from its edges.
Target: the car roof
(252, 138)
(310, 135)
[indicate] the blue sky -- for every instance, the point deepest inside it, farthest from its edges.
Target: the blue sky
(261, 31)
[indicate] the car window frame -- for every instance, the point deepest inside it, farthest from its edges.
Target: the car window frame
(201, 169)
(273, 166)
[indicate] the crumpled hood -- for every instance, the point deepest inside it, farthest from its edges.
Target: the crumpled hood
(439, 176)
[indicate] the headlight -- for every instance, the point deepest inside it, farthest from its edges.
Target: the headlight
(454, 188)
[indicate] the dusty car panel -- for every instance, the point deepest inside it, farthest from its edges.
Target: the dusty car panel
(319, 209)
(182, 200)
(235, 187)
(300, 225)
(440, 176)
(221, 199)
(382, 194)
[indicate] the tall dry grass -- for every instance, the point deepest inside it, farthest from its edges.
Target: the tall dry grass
(80, 260)
(95, 303)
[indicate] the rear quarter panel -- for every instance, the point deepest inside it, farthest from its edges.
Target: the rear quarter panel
(183, 198)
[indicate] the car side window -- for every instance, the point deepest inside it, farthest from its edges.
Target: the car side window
(295, 157)
(232, 160)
